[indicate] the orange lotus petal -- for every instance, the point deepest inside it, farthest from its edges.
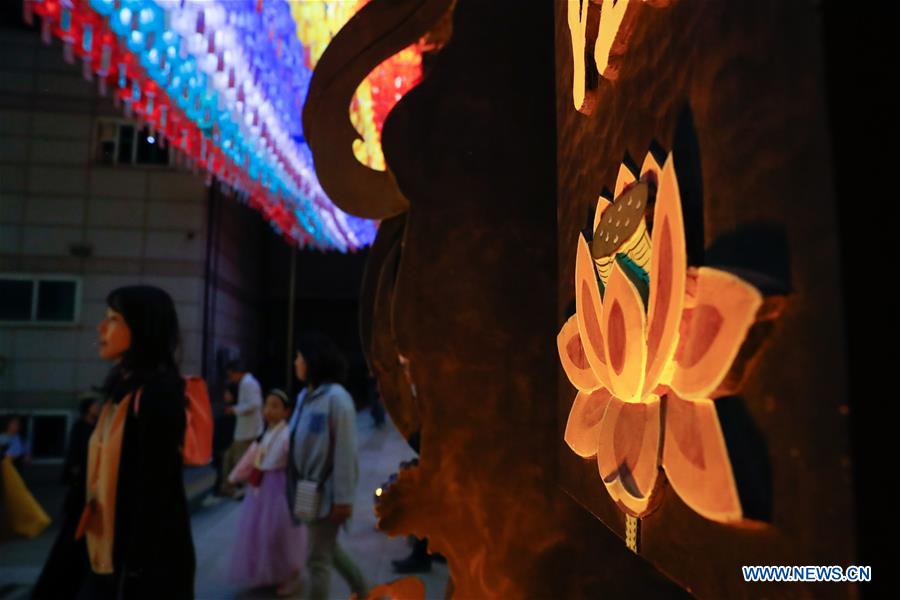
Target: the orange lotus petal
(668, 264)
(624, 327)
(628, 452)
(724, 308)
(624, 179)
(588, 307)
(602, 204)
(573, 359)
(583, 427)
(650, 166)
(696, 460)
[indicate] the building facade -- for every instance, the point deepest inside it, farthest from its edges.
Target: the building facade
(90, 202)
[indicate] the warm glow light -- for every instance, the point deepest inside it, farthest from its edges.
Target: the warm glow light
(649, 352)
(378, 492)
(613, 27)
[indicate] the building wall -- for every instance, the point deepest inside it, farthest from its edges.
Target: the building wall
(144, 224)
(235, 285)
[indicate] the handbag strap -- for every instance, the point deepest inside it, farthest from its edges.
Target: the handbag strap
(329, 460)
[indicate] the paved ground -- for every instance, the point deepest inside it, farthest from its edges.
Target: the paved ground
(214, 525)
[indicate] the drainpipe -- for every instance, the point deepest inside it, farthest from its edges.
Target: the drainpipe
(208, 276)
(292, 291)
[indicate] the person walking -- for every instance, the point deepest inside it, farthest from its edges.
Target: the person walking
(13, 445)
(20, 513)
(75, 465)
(74, 477)
(268, 550)
(323, 449)
(249, 420)
(223, 437)
(134, 521)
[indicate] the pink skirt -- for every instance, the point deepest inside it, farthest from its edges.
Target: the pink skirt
(269, 549)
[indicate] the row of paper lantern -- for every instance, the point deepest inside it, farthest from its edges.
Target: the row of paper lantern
(316, 24)
(222, 88)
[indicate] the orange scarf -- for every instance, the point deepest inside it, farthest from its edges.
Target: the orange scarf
(99, 517)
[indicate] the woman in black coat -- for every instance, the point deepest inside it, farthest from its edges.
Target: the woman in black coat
(152, 548)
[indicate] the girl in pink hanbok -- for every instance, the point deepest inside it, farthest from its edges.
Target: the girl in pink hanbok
(269, 549)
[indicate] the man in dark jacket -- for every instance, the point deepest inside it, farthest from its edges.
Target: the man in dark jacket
(79, 437)
(68, 554)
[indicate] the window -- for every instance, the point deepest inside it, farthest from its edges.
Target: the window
(15, 300)
(122, 143)
(39, 299)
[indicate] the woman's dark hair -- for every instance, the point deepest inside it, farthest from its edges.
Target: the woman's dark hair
(324, 361)
(150, 315)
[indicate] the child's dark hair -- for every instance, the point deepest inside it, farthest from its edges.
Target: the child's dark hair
(281, 395)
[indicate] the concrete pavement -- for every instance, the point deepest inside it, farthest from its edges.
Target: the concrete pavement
(215, 523)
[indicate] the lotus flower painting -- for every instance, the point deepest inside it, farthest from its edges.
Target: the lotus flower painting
(652, 345)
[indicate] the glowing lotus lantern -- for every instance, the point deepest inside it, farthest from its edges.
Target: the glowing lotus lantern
(650, 353)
